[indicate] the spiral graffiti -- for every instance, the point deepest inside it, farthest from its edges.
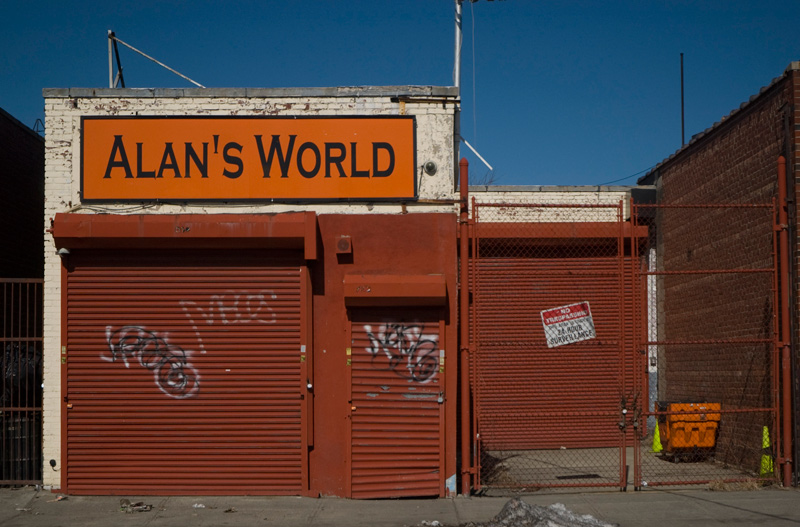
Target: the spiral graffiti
(173, 374)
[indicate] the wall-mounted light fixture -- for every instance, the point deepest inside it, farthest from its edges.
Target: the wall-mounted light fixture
(430, 168)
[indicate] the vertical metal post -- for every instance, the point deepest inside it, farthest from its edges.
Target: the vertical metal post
(466, 455)
(457, 65)
(683, 136)
(110, 64)
(638, 305)
(785, 325)
(777, 320)
(623, 359)
(475, 337)
(457, 80)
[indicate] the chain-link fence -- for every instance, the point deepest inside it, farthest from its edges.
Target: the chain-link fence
(552, 332)
(620, 345)
(709, 334)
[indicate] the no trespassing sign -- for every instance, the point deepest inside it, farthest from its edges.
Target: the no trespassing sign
(568, 324)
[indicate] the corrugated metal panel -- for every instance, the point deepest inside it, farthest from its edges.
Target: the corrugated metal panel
(396, 410)
(534, 397)
(184, 374)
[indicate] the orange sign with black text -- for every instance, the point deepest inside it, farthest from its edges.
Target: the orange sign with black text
(248, 158)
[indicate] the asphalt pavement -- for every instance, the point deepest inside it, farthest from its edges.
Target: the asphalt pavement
(28, 506)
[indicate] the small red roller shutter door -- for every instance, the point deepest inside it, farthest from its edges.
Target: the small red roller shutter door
(185, 373)
(531, 396)
(397, 411)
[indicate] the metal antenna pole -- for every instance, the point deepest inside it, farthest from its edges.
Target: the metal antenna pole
(116, 39)
(457, 84)
(110, 66)
(459, 38)
(683, 137)
(119, 78)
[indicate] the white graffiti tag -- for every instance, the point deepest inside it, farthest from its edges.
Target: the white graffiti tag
(233, 307)
(407, 345)
(169, 363)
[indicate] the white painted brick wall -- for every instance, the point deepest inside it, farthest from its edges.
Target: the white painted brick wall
(574, 197)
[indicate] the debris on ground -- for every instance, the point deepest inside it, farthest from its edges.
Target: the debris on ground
(230, 509)
(199, 506)
(60, 497)
(517, 513)
(126, 506)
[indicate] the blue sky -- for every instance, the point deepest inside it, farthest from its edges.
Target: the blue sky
(555, 93)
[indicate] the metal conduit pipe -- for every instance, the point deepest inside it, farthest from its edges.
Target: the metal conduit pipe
(466, 455)
(785, 336)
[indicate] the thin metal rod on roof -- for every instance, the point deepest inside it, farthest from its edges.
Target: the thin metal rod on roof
(477, 154)
(683, 136)
(113, 48)
(116, 39)
(457, 61)
(119, 79)
(110, 64)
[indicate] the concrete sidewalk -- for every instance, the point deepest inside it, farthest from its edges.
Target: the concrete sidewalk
(650, 508)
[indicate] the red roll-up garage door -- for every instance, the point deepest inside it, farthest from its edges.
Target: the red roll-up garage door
(531, 396)
(185, 373)
(397, 380)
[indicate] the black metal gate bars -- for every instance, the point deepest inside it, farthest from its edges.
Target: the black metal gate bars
(21, 382)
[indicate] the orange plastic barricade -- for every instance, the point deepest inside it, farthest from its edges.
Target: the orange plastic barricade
(688, 427)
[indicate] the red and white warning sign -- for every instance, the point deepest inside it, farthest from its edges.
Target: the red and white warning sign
(568, 324)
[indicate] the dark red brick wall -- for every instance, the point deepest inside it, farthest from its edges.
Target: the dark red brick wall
(793, 167)
(703, 315)
(21, 200)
